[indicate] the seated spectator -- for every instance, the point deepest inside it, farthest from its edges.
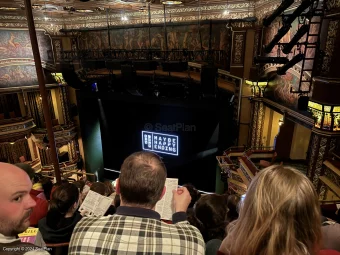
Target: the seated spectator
(41, 208)
(47, 186)
(233, 207)
(37, 186)
(101, 189)
(62, 216)
(195, 195)
(280, 215)
(109, 187)
(210, 216)
(141, 186)
(80, 185)
(16, 205)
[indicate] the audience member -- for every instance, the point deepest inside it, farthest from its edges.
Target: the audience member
(16, 205)
(80, 185)
(140, 185)
(194, 193)
(210, 216)
(101, 189)
(233, 202)
(280, 215)
(37, 186)
(62, 216)
(109, 187)
(47, 186)
(41, 208)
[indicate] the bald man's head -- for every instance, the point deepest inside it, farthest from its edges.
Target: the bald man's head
(16, 203)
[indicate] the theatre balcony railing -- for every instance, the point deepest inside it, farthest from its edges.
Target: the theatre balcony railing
(63, 134)
(16, 127)
(217, 56)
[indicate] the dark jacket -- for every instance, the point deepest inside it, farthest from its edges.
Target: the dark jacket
(63, 233)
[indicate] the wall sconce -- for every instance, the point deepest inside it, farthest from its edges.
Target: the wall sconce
(326, 117)
(258, 87)
(59, 78)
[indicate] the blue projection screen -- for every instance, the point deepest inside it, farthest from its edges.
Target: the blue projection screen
(160, 143)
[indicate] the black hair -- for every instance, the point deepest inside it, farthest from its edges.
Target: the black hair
(63, 198)
(210, 216)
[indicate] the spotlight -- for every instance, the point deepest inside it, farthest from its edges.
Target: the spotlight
(12, 143)
(303, 6)
(283, 6)
(276, 60)
(282, 31)
(288, 47)
(124, 18)
(226, 12)
(283, 69)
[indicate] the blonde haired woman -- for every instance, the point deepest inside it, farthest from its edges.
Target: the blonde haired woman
(279, 216)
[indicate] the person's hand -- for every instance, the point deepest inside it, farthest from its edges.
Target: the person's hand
(181, 199)
(83, 212)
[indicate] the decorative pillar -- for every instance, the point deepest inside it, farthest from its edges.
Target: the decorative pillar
(65, 104)
(321, 145)
(257, 123)
(324, 105)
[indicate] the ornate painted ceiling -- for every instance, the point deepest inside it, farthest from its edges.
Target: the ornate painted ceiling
(57, 14)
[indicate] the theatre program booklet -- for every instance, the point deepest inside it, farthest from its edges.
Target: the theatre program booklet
(164, 206)
(95, 204)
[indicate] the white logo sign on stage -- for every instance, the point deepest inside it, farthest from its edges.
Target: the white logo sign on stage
(161, 143)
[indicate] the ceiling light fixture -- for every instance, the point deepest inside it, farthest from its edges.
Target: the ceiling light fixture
(172, 2)
(124, 18)
(226, 12)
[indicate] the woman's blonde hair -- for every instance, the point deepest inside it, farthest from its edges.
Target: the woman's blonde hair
(279, 216)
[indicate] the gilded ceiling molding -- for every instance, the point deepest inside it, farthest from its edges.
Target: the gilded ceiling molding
(236, 6)
(119, 22)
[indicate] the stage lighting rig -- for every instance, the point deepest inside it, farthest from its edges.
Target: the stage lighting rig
(287, 20)
(274, 60)
(283, 6)
(282, 31)
(296, 59)
(301, 32)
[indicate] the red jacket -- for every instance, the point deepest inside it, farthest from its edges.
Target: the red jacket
(40, 210)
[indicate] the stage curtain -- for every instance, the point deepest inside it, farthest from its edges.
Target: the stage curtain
(11, 153)
(36, 107)
(10, 103)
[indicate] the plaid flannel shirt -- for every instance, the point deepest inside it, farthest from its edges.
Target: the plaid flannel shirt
(136, 231)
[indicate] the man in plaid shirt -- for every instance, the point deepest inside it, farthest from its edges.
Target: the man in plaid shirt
(136, 227)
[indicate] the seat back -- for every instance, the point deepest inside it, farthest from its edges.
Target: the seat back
(57, 248)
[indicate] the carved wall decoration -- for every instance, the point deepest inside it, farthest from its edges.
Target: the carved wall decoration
(319, 160)
(332, 176)
(238, 48)
(64, 99)
(256, 51)
(178, 37)
(313, 148)
(320, 147)
(257, 124)
(330, 43)
(323, 192)
(57, 48)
